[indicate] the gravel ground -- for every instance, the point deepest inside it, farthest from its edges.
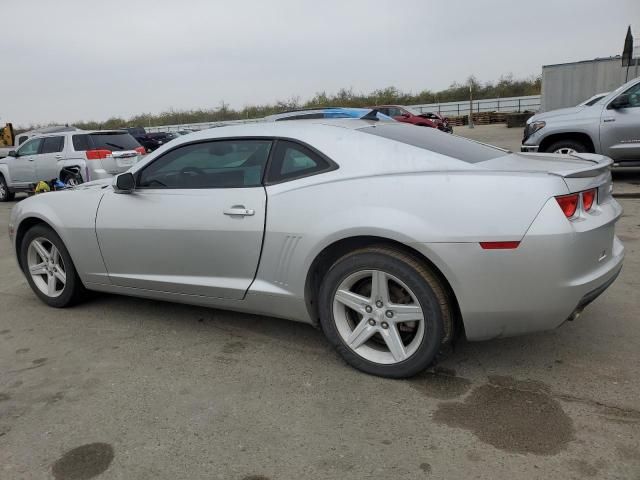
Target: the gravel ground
(123, 388)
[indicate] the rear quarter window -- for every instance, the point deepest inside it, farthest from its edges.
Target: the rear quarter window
(80, 142)
(433, 140)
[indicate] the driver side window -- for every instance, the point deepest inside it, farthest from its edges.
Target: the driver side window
(212, 164)
(634, 96)
(30, 148)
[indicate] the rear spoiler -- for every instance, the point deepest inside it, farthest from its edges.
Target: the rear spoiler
(600, 164)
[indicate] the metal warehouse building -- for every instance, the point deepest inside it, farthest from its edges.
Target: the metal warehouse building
(568, 84)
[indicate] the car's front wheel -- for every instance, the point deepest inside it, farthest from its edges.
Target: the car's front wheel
(384, 311)
(5, 194)
(49, 268)
(566, 147)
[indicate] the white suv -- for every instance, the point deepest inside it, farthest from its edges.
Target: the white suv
(72, 157)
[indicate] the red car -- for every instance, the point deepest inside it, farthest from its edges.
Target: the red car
(404, 114)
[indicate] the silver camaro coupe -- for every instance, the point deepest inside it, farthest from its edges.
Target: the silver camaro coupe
(393, 239)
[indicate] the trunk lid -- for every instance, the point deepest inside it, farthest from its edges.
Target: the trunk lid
(122, 147)
(120, 161)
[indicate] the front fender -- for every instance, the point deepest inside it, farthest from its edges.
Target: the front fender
(4, 171)
(72, 215)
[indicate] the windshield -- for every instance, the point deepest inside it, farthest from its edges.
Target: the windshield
(435, 141)
(595, 99)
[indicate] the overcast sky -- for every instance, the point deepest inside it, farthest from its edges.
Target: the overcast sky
(69, 60)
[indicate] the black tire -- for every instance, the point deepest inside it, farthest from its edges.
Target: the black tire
(5, 194)
(71, 179)
(74, 290)
(417, 276)
(569, 144)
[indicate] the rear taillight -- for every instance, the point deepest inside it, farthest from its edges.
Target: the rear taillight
(97, 154)
(588, 199)
(141, 150)
(569, 204)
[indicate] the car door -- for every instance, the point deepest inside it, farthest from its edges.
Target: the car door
(23, 168)
(49, 157)
(194, 223)
(620, 128)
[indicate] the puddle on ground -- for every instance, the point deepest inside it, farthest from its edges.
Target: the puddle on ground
(441, 383)
(83, 463)
(515, 416)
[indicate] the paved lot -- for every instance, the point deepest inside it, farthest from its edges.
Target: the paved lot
(150, 390)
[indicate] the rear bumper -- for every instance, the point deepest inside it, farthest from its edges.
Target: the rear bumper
(529, 148)
(627, 164)
(596, 292)
(557, 269)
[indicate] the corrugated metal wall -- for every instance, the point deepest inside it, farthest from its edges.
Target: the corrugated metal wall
(568, 84)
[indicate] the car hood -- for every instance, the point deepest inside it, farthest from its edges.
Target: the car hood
(95, 184)
(556, 113)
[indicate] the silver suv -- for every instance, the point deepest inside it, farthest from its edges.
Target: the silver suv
(610, 126)
(72, 157)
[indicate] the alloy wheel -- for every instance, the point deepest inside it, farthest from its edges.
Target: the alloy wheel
(566, 151)
(46, 267)
(71, 182)
(378, 316)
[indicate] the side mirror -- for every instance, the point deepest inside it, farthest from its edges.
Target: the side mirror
(12, 153)
(621, 101)
(124, 183)
(406, 115)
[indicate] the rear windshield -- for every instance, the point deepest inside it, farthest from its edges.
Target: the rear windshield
(436, 141)
(114, 141)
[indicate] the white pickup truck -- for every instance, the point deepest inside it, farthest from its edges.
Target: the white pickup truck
(72, 157)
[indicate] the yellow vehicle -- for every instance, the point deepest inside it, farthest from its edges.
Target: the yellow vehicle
(7, 139)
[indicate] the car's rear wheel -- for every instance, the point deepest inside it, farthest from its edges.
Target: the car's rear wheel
(384, 311)
(5, 194)
(566, 147)
(49, 268)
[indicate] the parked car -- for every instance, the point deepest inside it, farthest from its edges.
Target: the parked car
(610, 126)
(22, 137)
(152, 141)
(407, 115)
(328, 112)
(442, 123)
(73, 157)
(390, 237)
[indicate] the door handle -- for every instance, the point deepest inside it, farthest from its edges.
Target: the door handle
(609, 119)
(239, 210)
(59, 157)
(31, 159)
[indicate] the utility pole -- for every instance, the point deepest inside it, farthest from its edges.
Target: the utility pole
(470, 107)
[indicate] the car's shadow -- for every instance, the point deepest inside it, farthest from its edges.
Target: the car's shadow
(531, 355)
